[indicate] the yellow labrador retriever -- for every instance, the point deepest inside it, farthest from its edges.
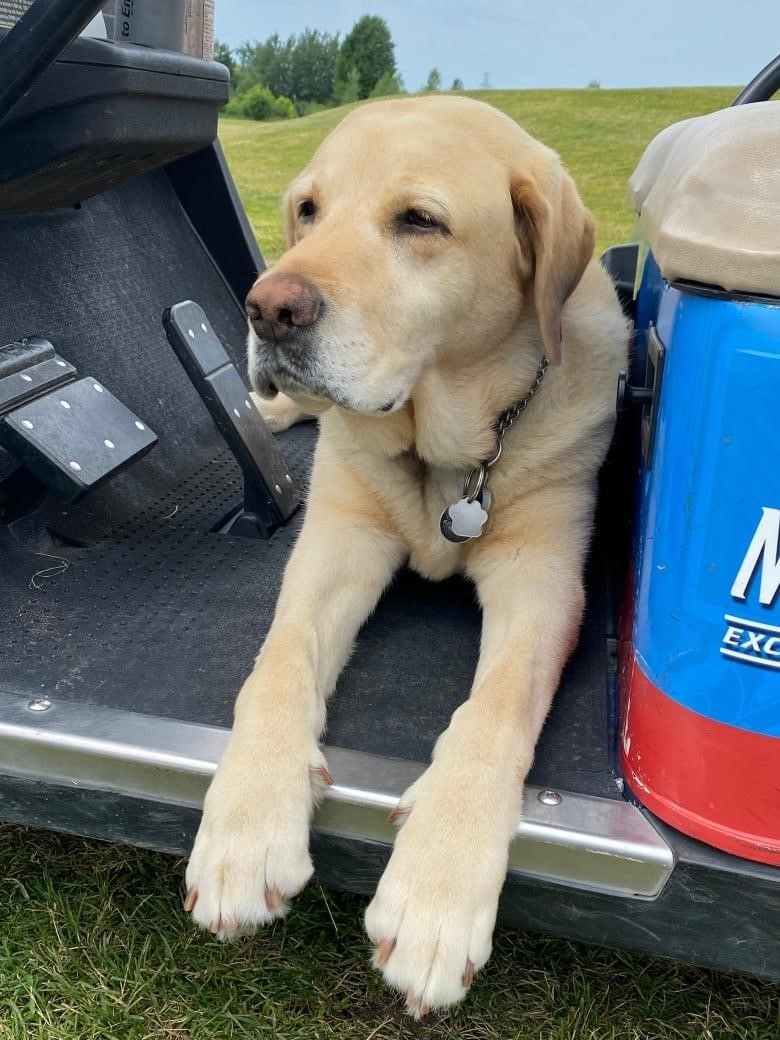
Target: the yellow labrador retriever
(438, 256)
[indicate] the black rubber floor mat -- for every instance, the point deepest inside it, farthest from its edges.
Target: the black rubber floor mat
(166, 618)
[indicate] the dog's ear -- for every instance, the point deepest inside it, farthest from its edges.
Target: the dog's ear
(553, 222)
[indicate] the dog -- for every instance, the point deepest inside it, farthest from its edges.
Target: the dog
(439, 258)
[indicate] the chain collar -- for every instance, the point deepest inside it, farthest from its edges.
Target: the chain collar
(475, 482)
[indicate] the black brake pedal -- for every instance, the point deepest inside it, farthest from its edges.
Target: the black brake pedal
(270, 495)
(72, 434)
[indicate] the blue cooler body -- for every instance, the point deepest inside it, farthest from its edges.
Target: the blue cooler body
(700, 727)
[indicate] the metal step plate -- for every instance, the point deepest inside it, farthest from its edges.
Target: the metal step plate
(598, 844)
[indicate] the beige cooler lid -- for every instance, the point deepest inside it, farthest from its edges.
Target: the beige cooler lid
(707, 191)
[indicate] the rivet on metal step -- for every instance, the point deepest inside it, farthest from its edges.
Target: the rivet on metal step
(39, 704)
(550, 798)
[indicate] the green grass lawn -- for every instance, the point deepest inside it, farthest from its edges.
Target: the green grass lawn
(599, 133)
(94, 944)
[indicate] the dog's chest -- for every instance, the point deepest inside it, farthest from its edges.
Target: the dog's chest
(415, 496)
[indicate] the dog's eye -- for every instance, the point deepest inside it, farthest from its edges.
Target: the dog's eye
(307, 210)
(418, 220)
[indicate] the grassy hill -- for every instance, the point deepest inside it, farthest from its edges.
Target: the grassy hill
(599, 133)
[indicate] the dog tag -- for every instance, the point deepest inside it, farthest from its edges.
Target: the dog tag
(464, 520)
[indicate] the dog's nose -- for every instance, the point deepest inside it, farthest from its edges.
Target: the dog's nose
(280, 303)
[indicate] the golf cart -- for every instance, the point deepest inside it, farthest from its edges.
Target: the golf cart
(146, 515)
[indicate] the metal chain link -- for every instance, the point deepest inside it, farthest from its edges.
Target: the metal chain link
(471, 488)
(506, 418)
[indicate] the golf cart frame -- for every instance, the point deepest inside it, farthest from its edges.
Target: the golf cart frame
(130, 603)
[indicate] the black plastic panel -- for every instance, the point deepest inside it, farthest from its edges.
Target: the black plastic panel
(206, 190)
(100, 115)
(95, 282)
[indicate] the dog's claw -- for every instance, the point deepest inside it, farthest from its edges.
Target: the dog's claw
(190, 900)
(398, 813)
(416, 1007)
(273, 898)
(468, 974)
(383, 952)
(322, 774)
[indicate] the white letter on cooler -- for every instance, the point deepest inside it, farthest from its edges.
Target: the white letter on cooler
(766, 543)
(733, 636)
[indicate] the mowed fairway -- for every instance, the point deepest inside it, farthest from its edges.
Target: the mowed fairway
(94, 944)
(599, 133)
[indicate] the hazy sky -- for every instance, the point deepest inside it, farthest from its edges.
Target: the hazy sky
(542, 44)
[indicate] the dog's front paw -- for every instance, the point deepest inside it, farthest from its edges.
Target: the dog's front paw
(434, 911)
(251, 853)
(279, 413)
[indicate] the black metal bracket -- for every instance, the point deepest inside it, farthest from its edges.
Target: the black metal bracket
(71, 434)
(648, 397)
(621, 262)
(270, 495)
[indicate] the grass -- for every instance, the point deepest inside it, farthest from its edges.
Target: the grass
(94, 946)
(93, 942)
(599, 133)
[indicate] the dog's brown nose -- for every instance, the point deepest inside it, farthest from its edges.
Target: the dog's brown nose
(279, 303)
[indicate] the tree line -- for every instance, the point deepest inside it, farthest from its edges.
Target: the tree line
(281, 79)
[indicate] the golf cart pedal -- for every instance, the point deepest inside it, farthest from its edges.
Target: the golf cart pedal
(270, 495)
(28, 368)
(72, 434)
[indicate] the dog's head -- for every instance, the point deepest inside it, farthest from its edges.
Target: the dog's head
(423, 231)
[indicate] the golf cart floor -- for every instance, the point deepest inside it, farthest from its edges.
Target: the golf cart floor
(163, 617)
(143, 606)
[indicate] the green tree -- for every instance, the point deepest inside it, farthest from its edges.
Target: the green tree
(387, 85)
(347, 92)
(313, 65)
(301, 67)
(457, 84)
(434, 80)
(368, 48)
(268, 63)
(260, 103)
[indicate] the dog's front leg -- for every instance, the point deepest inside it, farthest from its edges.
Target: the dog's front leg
(433, 914)
(252, 849)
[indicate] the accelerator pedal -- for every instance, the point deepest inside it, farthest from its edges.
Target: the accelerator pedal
(71, 434)
(270, 495)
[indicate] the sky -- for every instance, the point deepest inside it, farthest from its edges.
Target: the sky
(543, 43)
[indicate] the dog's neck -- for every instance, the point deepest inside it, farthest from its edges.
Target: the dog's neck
(456, 409)
(449, 421)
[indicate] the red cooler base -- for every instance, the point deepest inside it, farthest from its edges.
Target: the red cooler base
(714, 782)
